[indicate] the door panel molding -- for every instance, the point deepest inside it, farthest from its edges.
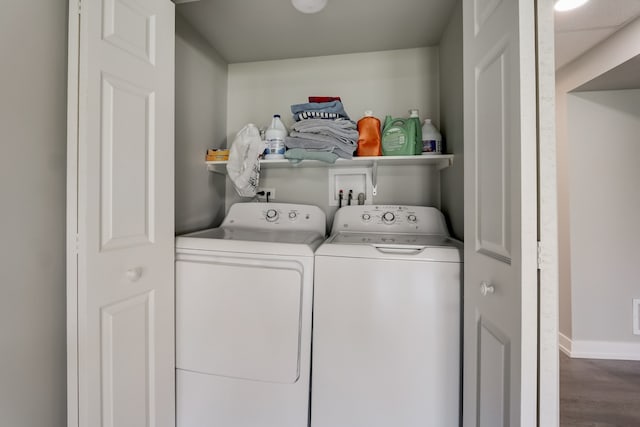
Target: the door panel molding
(127, 203)
(493, 355)
(483, 11)
(492, 169)
(128, 364)
(128, 26)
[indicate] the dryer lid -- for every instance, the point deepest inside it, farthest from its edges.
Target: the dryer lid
(268, 228)
(304, 237)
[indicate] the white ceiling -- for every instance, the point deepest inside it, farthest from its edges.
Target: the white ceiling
(257, 30)
(579, 30)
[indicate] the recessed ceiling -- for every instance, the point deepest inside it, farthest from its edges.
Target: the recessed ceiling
(258, 30)
(579, 30)
(624, 76)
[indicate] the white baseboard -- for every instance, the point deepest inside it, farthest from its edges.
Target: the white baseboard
(564, 342)
(599, 349)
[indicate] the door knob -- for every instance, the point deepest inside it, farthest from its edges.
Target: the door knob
(486, 289)
(133, 274)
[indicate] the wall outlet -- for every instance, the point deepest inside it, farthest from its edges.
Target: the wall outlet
(263, 197)
(636, 317)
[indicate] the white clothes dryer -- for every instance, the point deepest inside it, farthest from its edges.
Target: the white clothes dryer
(243, 317)
(386, 321)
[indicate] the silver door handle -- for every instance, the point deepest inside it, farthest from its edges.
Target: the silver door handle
(134, 274)
(486, 289)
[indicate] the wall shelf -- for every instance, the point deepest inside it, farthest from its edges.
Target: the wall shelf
(440, 161)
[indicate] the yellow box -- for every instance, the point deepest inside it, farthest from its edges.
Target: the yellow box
(217, 155)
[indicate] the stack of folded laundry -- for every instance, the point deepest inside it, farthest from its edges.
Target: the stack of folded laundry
(323, 131)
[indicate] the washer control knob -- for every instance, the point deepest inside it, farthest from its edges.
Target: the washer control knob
(366, 217)
(293, 215)
(272, 215)
(388, 217)
(412, 218)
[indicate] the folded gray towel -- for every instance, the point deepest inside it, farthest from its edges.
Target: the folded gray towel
(345, 131)
(318, 144)
(333, 124)
(296, 155)
(347, 142)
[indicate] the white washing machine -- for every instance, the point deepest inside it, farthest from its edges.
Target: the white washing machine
(243, 317)
(386, 322)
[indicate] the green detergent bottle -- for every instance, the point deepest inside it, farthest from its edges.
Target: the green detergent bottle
(398, 137)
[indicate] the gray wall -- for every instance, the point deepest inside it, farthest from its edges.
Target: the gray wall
(603, 129)
(371, 80)
(33, 36)
(201, 120)
(387, 82)
(452, 122)
(403, 185)
(617, 49)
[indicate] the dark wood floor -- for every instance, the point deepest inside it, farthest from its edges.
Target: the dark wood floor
(599, 393)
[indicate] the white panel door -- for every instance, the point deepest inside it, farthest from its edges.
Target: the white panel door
(121, 225)
(500, 297)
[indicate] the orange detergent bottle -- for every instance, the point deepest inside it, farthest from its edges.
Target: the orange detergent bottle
(369, 136)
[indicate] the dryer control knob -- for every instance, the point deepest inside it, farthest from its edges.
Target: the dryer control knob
(412, 218)
(366, 217)
(293, 215)
(388, 217)
(272, 215)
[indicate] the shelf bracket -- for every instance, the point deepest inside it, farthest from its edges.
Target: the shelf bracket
(374, 178)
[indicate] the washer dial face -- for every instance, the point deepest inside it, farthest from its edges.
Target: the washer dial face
(272, 215)
(388, 217)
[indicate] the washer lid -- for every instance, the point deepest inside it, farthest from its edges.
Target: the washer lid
(415, 247)
(390, 239)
